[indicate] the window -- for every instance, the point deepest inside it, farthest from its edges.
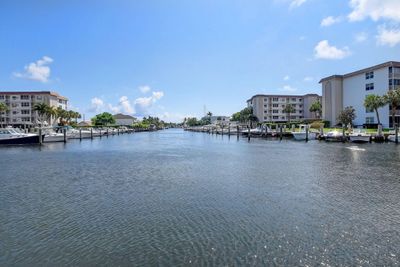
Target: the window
(282, 117)
(369, 86)
(369, 110)
(275, 117)
(300, 99)
(265, 118)
(293, 99)
(39, 97)
(25, 111)
(394, 82)
(25, 104)
(275, 111)
(369, 75)
(396, 70)
(300, 111)
(265, 106)
(275, 99)
(14, 97)
(275, 105)
(300, 106)
(25, 97)
(369, 120)
(26, 119)
(14, 112)
(1, 96)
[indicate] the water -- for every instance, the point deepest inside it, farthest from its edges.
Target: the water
(175, 198)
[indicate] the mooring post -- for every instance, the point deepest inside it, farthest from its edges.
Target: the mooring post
(396, 132)
(248, 133)
(80, 134)
(91, 133)
(343, 134)
(65, 135)
(280, 132)
(107, 132)
(306, 133)
(321, 130)
(40, 136)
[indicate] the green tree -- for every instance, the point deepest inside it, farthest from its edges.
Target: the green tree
(374, 102)
(236, 116)
(392, 97)
(289, 109)
(3, 108)
(104, 119)
(192, 122)
(316, 107)
(42, 110)
(347, 116)
(209, 114)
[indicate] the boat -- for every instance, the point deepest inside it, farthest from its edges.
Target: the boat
(359, 136)
(392, 137)
(12, 136)
(301, 135)
(334, 136)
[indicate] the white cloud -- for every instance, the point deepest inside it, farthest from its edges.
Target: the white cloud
(126, 105)
(158, 95)
(296, 3)
(286, 78)
(144, 88)
(288, 88)
(173, 117)
(308, 79)
(375, 9)
(114, 109)
(37, 71)
(97, 104)
(325, 51)
(361, 37)
(143, 104)
(328, 21)
(389, 37)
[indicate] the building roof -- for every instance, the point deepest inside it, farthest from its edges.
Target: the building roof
(261, 95)
(354, 73)
(121, 116)
(33, 93)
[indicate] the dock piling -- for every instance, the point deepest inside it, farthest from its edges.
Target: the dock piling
(306, 133)
(40, 136)
(396, 132)
(91, 133)
(65, 135)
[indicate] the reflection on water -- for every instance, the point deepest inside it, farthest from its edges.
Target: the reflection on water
(179, 198)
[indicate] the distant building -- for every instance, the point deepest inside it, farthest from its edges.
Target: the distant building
(220, 119)
(269, 108)
(21, 106)
(124, 120)
(85, 123)
(339, 91)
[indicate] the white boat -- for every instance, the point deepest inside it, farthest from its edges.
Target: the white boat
(334, 136)
(392, 137)
(301, 135)
(12, 136)
(53, 137)
(359, 136)
(77, 134)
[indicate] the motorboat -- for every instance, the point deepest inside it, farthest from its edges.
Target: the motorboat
(301, 135)
(360, 136)
(392, 136)
(13, 136)
(334, 136)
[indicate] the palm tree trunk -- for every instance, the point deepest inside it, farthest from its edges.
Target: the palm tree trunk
(377, 116)
(393, 116)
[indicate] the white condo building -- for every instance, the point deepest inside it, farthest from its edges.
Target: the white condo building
(339, 91)
(269, 108)
(21, 106)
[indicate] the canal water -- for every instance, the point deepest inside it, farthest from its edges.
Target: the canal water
(175, 198)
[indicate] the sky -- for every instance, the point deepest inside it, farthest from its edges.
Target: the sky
(177, 58)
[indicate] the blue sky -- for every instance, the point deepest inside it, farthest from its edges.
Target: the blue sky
(169, 58)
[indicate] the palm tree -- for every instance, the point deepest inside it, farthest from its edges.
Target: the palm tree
(209, 114)
(316, 107)
(3, 107)
(374, 102)
(41, 109)
(288, 109)
(392, 97)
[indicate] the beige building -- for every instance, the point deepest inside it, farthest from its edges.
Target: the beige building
(124, 120)
(21, 106)
(269, 108)
(340, 91)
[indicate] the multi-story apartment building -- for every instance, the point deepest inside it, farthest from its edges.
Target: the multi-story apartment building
(270, 108)
(21, 106)
(339, 91)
